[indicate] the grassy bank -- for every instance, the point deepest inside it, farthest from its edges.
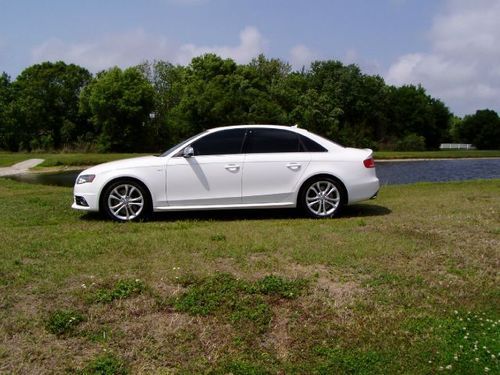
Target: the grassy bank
(85, 159)
(404, 284)
(62, 159)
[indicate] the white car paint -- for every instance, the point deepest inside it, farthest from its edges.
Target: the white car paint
(234, 181)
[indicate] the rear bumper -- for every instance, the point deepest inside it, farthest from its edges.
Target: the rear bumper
(364, 191)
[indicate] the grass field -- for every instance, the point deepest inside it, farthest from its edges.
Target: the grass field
(407, 283)
(82, 159)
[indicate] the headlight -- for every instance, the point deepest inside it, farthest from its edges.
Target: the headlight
(84, 178)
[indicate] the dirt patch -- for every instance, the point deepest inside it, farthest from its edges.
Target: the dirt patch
(340, 293)
(278, 337)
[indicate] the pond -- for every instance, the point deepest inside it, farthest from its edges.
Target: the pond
(408, 172)
(389, 172)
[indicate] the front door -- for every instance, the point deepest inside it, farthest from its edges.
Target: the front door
(212, 176)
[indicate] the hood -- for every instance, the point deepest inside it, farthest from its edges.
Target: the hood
(142, 161)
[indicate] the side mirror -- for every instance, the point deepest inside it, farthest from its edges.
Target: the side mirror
(188, 152)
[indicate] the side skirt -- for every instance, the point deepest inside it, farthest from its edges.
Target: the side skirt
(226, 206)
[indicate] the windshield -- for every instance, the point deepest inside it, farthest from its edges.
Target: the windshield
(186, 141)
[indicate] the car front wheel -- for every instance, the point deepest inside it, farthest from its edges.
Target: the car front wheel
(322, 197)
(126, 200)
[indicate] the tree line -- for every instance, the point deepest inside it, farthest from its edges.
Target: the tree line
(147, 108)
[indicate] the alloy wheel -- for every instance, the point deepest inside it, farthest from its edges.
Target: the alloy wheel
(125, 202)
(322, 198)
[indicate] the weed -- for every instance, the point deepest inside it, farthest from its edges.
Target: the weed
(218, 237)
(349, 361)
(275, 285)
(240, 301)
(63, 322)
(107, 364)
(121, 290)
(466, 343)
(101, 334)
(240, 367)
(252, 309)
(207, 295)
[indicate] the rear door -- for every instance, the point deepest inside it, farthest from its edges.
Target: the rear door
(273, 165)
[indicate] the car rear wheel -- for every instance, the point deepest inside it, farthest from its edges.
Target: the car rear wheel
(322, 197)
(126, 200)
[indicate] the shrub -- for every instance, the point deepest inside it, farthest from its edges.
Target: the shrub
(411, 142)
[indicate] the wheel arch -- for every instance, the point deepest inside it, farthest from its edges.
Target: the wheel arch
(124, 178)
(345, 196)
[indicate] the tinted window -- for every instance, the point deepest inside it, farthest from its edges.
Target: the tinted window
(220, 143)
(271, 140)
(310, 146)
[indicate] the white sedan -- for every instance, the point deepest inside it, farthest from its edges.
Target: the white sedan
(233, 167)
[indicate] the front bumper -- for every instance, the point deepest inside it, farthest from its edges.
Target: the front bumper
(84, 194)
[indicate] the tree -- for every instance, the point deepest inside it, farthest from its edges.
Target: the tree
(45, 112)
(119, 103)
(168, 82)
(5, 112)
(212, 95)
(342, 103)
(481, 129)
(412, 111)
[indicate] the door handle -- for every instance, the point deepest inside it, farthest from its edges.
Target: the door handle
(232, 167)
(293, 166)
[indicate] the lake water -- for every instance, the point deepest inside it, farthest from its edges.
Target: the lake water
(408, 172)
(389, 172)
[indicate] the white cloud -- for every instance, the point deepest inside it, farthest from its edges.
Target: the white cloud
(301, 56)
(135, 46)
(367, 66)
(125, 49)
(462, 65)
(251, 45)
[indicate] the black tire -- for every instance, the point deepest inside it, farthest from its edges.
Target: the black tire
(322, 197)
(126, 200)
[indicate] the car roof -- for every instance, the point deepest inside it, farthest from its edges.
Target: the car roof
(253, 126)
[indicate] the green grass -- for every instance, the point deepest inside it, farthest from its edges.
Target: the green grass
(86, 159)
(387, 288)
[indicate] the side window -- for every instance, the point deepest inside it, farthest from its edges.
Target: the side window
(271, 140)
(220, 143)
(310, 146)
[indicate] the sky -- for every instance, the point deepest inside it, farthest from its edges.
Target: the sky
(451, 47)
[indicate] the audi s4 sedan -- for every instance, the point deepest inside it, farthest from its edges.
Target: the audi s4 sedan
(233, 167)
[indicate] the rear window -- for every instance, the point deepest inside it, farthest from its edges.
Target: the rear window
(310, 145)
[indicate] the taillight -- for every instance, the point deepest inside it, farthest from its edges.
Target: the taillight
(369, 163)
